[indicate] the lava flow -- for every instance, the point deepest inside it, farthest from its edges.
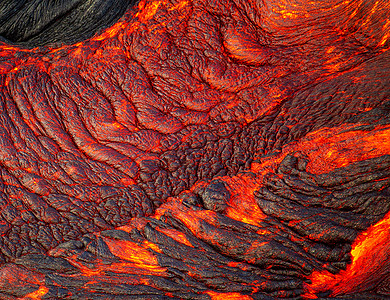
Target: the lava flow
(223, 149)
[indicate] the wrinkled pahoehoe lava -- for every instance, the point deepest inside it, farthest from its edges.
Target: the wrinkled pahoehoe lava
(223, 149)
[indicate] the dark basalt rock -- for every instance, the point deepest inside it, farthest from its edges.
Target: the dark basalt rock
(43, 22)
(214, 196)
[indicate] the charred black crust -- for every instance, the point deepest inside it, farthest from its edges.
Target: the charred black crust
(45, 22)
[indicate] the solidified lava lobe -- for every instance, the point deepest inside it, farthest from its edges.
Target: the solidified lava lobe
(195, 150)
(38, 23)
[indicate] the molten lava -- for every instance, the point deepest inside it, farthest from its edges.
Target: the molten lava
(220, 149)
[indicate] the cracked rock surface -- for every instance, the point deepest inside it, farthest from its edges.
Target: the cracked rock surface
(219, 149)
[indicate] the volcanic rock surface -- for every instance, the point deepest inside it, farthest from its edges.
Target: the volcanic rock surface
(205, 149)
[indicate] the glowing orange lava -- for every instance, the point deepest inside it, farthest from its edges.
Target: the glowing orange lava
(370, 256)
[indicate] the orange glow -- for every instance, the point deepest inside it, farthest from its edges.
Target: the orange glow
(149, 11)
(328, 149)
(11, 275)
(244, 217)
(266, 164)
(344, 148)
(191, 218)
(90, 272)
(370, 252)
(236, 265)
(110, 32)
(152, 246)
(179, 5)
(127, 181)
(154, 58)
(141, 257)
(38, 294)
(372, 11)
(242, 205)
(176, 235)
(330, 49)
(117, 125)
(228, 296)
(288, 10)
(386, 36)
(384, 39)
